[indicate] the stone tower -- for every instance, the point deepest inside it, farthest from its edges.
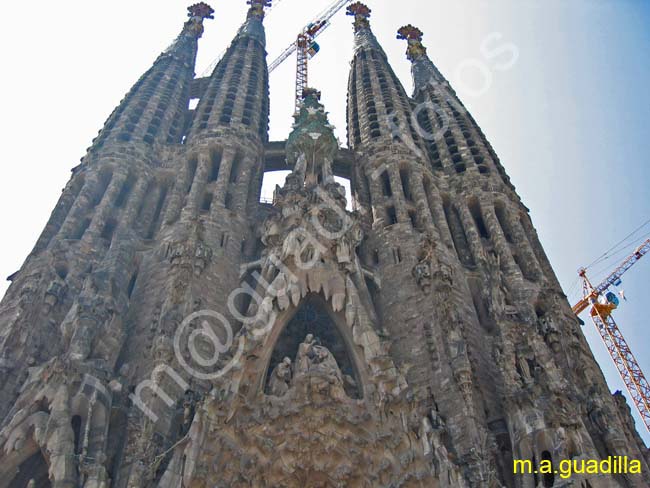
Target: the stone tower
(169, 329)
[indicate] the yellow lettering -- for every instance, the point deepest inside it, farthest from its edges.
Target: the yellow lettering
(605, 466)
(592, 467)
(565, 468)
(522, 466)
(635, 466)
(546, 466)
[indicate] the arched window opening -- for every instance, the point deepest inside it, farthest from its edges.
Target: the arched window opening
(228, 202)
(385, 184)
(76, 428)
(414, 219)
(158, 211)
(234, 169)
(131, 287)
(191, 172)
(109, 230)
(313, 317)
(206, 204)
(125, 191)
(61, 270)
(406, 184)
(500, 211)
(457, 233)
(391, 215)
(33, 468)
(215, 165)
(477, 215)
(104, 181)
(429, 196)
(81, 229)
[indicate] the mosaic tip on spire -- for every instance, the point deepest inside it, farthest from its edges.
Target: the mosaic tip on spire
(197, 14)
(413, 36)
(257, 8)
(200, 10)
(361, 13)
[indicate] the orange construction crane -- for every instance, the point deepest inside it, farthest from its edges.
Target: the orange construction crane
(603, 303)
(306, 47)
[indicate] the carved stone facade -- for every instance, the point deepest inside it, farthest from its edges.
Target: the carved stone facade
(168, 329)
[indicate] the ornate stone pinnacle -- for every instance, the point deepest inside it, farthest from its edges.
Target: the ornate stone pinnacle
(201, 10)
(361, 14)
(257, 8)
(413, 36)
(197, 14)
(308, 92)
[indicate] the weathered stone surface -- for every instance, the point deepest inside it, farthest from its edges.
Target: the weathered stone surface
(170, 330)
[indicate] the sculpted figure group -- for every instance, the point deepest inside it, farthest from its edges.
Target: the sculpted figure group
(312, 359)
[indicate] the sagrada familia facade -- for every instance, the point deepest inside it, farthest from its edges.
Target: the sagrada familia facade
(170, 330)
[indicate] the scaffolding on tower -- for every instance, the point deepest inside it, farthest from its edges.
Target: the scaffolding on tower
(603, 302)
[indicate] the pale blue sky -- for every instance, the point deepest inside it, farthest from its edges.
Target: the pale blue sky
(570, 120)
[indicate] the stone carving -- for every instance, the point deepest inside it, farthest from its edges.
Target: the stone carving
(281, 378)
(526, 364)
(496, 287)
(422, 274)
(550, 333)
(55, 292)
(95, 308)
(597, 411)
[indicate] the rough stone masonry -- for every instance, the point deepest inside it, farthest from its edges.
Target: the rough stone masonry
(169, 329)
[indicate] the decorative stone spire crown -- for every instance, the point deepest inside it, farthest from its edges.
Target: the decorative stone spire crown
(424, 71)
(361, 14)
(197, 14)
(257, 8)
(413, 36)
(311, 146)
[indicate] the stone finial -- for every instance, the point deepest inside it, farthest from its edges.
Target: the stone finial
(197, 14)
(413, 36)
(361, 14)
(257, 8)
(200, 10)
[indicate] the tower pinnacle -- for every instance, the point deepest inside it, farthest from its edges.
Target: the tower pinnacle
(257, 8)
(413, 36)
(197, 13)
(424, 71)
(361, 13)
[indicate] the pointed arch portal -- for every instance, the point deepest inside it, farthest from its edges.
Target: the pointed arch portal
(314, 316)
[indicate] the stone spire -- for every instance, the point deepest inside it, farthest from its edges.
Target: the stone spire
(237, 93)
(452, 136)
(311, 146)
(378, 107)
(153, 110)
(424, 71)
